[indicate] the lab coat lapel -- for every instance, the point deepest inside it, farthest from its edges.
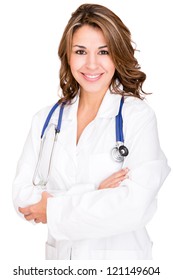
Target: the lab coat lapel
(110, 105)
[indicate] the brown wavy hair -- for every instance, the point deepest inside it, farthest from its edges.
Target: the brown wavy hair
(120, 46)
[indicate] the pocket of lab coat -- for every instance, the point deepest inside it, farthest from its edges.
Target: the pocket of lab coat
(102, 166)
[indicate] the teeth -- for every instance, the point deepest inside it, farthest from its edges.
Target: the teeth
(92, 76)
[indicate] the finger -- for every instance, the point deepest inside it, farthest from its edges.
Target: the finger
(30, 217)
(25, 210)
(111, 186)
(36, 220)
(113, 183)
(119, 179)
(117, 175)
(115, 180)
(120, 173)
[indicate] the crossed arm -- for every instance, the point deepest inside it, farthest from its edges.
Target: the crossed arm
(38, 211)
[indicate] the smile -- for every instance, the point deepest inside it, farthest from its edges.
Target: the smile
(90, 77)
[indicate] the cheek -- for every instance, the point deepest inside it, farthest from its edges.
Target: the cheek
(75, 63)
(112, 69)
(111, 66)
(74, 67)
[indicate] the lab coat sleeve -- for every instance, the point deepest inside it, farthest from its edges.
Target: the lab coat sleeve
(24, 193)
(103, 213)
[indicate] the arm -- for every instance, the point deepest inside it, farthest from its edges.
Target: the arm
(38, 211)
(24, 193)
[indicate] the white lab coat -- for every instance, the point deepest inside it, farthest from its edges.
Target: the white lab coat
(84, 222)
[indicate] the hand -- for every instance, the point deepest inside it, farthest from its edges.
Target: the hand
(37, 212)
(114, 180)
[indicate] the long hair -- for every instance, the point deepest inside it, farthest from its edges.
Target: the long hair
(120, 46)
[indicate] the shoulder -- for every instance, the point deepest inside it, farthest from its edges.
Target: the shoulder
(137, 113)
(39, 118)
(41, 114)
(134, 107)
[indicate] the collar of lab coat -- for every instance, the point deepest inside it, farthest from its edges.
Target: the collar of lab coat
(109, 107)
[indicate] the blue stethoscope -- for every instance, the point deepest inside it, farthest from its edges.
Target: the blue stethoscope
(119, 152)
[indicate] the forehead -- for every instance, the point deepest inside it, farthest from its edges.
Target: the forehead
(88, 35)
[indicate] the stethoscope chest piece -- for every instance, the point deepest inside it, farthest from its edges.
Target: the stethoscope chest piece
(119, 152)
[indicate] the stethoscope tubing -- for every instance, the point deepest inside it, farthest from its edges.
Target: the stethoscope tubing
(58, 128)
(119, 124)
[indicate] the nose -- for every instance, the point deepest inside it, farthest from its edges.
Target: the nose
(92, 61)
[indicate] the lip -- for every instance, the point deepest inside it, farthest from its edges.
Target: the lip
(92, 77)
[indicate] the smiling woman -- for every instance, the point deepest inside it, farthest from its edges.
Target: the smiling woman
(90, 62)
(95, 206)
(115, 39)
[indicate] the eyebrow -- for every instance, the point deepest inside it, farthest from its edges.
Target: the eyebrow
(82, 47)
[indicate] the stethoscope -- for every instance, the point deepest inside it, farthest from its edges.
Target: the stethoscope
(119, 152)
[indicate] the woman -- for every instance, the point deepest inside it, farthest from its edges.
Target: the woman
(94, 207)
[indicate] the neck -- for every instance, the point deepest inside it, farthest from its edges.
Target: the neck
(90, 101)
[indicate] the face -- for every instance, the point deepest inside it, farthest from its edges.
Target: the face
(90, 62)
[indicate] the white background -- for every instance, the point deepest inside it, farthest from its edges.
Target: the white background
(29, 34)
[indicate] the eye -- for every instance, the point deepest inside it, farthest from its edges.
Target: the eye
(80, 52)
(103, 52)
